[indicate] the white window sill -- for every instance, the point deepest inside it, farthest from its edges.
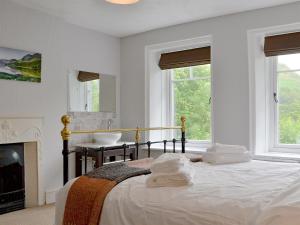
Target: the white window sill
(278, 157)
(268, 156)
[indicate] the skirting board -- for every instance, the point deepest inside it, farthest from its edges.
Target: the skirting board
(51, 196)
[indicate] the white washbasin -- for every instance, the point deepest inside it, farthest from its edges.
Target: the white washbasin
(107, 138)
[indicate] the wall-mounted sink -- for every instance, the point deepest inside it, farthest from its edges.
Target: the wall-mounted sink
(107, 138)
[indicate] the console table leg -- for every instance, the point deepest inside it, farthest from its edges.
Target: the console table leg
(99, 158)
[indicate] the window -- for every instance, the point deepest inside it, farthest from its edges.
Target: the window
(170, 95)
(274, 73)
(92, 93)
(190, 95)
(285, 109)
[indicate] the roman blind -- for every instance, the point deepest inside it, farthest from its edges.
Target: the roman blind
(282, 44)
(190, 57)
(84, 76)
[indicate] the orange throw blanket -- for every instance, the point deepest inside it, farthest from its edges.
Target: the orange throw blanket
(85, 201)
(87, 194)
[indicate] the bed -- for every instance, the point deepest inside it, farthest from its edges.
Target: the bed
(252, 193)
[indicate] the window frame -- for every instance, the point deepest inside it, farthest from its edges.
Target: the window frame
(274, 138)
(170, 109)
(259, 95)
(155, 86)
(88, 106)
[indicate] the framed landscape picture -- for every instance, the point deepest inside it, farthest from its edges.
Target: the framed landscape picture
(20, 65)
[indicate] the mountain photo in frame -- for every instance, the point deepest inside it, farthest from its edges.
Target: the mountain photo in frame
(20, 65)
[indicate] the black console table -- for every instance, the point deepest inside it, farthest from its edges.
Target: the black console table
(93, 150)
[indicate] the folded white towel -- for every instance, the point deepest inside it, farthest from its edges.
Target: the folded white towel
(226, 158)
(168, 163)
(181, 178)
(221, 148)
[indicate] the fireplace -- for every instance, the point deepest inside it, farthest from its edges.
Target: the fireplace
(12, 180)
(26, 130)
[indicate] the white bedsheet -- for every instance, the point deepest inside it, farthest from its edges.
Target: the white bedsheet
(253, 193)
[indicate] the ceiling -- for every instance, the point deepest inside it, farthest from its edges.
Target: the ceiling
(124, 20)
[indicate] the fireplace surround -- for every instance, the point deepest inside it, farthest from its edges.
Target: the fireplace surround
(26, 132)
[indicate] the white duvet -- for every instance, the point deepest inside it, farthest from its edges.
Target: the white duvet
(253, 193)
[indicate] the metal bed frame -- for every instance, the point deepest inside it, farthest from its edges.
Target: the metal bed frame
(66, 135)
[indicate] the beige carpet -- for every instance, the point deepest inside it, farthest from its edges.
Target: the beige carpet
(33, 216)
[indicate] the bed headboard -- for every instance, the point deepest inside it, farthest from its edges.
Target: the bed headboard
(66, 135)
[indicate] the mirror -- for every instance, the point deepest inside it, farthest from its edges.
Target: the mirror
(91, 92)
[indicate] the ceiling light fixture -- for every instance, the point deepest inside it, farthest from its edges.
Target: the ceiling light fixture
(122, 2)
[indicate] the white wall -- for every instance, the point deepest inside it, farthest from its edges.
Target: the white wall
(230, 67)
(63, 47)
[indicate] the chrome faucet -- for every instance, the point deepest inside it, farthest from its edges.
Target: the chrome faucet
(109, 123)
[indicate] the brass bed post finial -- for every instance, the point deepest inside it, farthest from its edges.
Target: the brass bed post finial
(65, 133)
(183, 120)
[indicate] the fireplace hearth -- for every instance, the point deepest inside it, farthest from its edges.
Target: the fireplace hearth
(12, 182)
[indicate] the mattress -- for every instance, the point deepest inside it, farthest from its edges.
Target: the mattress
(252, 193)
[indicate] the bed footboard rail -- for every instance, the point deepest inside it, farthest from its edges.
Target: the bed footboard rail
(66, 134)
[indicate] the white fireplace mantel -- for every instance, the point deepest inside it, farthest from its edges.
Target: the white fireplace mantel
(29, 131)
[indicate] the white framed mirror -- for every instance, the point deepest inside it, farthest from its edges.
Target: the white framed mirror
(91, 92)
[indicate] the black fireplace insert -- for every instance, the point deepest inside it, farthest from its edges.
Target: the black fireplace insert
(12, 185)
